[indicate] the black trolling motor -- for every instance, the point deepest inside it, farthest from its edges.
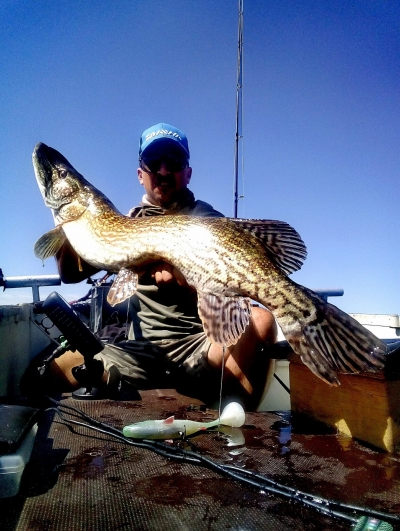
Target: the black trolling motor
(76, 336)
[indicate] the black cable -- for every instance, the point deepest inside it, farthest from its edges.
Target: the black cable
(83, 415)
(186, 456)
(286, 388)
(168, 452)
(328, 503)
(244, 476)
(155, 446)
(282, 490)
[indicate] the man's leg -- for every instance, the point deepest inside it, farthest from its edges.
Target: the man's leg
(247, 363)
(58, 377)
(136, 362)
(60, 371)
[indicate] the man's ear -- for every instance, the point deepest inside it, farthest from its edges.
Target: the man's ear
(188, 174)
(140, 175)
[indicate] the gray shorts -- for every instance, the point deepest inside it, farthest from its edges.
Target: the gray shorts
(167, 363)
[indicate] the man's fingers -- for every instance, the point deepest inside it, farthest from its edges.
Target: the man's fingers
(163, 277)
(165, 273)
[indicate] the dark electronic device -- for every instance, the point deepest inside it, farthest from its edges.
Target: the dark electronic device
(79, 337)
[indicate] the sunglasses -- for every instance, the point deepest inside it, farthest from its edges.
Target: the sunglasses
(172, 164)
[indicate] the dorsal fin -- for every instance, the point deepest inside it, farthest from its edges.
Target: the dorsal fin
(169, 420)
(282, 242)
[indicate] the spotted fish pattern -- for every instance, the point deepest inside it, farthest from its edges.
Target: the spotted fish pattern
(229, 262)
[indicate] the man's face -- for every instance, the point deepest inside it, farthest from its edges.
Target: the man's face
(164, 174)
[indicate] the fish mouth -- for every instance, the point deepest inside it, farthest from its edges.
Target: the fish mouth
(45, 159)
(40, 166)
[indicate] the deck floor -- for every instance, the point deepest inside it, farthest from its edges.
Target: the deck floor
(78, 479)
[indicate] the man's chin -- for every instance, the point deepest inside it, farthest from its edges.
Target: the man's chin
(164, 200)
(165, 194)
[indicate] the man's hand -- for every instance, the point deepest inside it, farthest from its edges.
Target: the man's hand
(166, 275)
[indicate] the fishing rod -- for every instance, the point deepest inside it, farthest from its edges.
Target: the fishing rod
(239, 111)
(365, 520)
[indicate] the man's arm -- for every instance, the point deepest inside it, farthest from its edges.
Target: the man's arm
(71, 267)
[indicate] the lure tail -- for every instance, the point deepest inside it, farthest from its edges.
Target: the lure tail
(233, 415)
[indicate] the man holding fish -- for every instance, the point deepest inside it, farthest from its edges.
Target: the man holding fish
(165, 344)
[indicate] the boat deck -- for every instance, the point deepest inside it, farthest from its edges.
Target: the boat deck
(81, 479)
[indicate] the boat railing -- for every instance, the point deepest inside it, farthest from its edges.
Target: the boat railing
(325, 293)
(31, 281)
(35, 281)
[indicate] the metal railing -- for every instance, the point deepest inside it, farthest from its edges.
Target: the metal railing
(36, 281)
(31, 281)
(325, 293)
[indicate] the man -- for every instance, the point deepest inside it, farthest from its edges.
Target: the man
(166, 345)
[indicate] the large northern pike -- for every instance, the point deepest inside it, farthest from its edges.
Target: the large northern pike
(227, 261)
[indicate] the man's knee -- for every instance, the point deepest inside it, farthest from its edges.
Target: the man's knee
(264, 324)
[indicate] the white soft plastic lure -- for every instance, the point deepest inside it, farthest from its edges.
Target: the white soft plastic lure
(233, 415)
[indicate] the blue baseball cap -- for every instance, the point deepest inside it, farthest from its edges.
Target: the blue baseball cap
(163, 134)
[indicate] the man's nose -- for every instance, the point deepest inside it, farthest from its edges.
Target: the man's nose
(163, 169)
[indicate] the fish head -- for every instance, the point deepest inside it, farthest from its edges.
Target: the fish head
(63, 188)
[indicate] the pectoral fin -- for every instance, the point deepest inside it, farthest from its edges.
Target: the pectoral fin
(224, 318)
(48, 244)
(123, 287)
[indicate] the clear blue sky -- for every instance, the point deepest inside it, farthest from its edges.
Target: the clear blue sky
(321, 121)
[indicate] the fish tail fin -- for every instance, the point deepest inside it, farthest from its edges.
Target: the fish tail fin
(331, 341)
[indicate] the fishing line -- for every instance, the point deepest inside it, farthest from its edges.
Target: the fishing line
(222, 378)
(248, 477)
(127, 317)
